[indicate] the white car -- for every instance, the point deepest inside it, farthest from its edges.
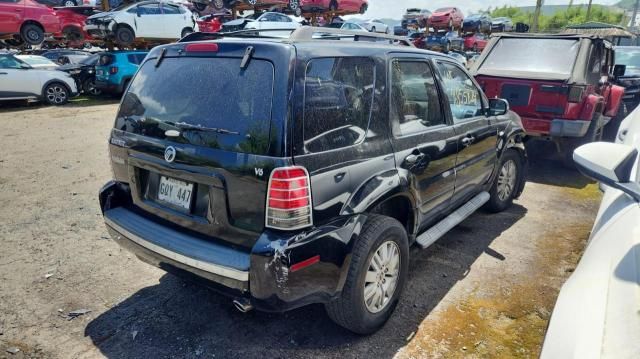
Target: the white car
(146, 19)
(597, 314)
(264, 21)
(375, 25)
(38, 62)
(20, 81)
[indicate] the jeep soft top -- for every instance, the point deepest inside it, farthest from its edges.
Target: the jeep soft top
(294, 171)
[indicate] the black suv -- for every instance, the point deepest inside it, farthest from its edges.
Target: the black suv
(294, 171)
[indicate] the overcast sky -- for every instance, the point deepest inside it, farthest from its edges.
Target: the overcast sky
(395, 8)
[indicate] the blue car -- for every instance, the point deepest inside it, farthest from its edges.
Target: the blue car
(445, 41)
(115, 69)
(477, 23)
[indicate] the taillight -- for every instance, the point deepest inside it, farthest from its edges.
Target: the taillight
(201, 47)
(575, 93)
(113, 70)
(289, 199)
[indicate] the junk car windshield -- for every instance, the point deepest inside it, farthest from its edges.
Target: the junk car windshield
(214, 102)
(630, 58)
(514, 55)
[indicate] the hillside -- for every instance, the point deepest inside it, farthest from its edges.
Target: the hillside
(626, 4)
(549, 10)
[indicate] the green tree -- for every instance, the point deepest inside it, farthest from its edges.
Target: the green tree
(552, 23)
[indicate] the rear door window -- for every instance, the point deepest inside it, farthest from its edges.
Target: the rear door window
(210, 102)
(338, 95)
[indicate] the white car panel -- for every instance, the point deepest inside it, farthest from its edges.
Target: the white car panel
(597, 314)
(22, 83)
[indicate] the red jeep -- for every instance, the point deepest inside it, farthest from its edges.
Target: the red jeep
(560, 85)
(27, 21)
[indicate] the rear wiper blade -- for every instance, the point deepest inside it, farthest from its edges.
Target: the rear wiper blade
(188, 127)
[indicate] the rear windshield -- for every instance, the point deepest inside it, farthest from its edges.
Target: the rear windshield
(554, 56)
(211, 102)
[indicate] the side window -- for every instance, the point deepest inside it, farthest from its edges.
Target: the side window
(464, 97)
(595, 64)
(170, 10)
(415, 105)
(338, 97)
(283, 18)
(9, 62)
(149, 9)
(136, 58)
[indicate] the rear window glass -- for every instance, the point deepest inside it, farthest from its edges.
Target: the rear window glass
(231, 106)
(338, 96)
(556, 56)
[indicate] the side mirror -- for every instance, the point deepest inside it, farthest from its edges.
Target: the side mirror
(609, 163)
(619, 70)
(498, 107)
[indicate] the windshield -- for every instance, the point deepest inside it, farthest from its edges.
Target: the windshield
(444, 9)
(212, 102)
(91, 60)
(630, 58)
(514, 55)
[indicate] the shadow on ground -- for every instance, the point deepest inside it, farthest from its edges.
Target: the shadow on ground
(176, 319)
(545, 167)
(81, 101)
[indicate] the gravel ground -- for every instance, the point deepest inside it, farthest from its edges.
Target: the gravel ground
(484, 290)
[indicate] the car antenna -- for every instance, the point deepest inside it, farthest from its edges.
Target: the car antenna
(248, 53)
(161, 56)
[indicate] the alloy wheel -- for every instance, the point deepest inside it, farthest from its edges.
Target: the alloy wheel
(381, 278)
(69, 3)
(294, 4)
(507, 180)
(56, 94)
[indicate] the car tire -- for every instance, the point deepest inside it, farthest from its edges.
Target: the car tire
(56, 94)
(451, 24)
(32, 34)
(89, 87)
(610, 132)
(447, 47)
(217, 4)
(201, 7)
(186, 31)
(385, 238)
(475, 48)
(363, 9)
(252, 2)
(67, 3)
(507, 182)
(124, 36)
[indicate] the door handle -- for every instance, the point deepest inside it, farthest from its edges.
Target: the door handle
(468, 140)
(413, 158)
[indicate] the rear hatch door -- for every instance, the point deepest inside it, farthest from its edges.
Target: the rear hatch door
(201, 135)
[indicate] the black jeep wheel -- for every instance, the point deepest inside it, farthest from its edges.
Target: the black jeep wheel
(124, 36)
(507, 182)
(56, 94)
(377, 274)
(89, 87)
(32, 34)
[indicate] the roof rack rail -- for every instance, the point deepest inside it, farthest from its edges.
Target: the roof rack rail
(304, 33)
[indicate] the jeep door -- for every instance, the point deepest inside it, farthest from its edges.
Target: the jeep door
(424, 141)
(477, 134)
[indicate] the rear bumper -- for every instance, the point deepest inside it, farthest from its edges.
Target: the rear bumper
(556, 127)
(262, 274)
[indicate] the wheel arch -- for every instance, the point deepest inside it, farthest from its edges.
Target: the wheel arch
(31, 22)
(53, 81)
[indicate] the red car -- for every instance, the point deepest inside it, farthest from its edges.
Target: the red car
(72, 21)
(446, 18)
(209, 23)
(28, 21)
(351, 6)
(476, 42)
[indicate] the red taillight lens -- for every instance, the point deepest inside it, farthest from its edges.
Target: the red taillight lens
(113, 70)
(289, 199)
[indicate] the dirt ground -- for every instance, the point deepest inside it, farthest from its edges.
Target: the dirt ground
(485, 290)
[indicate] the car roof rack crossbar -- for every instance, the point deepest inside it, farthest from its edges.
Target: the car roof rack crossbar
(309, 33)
(305, 33)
